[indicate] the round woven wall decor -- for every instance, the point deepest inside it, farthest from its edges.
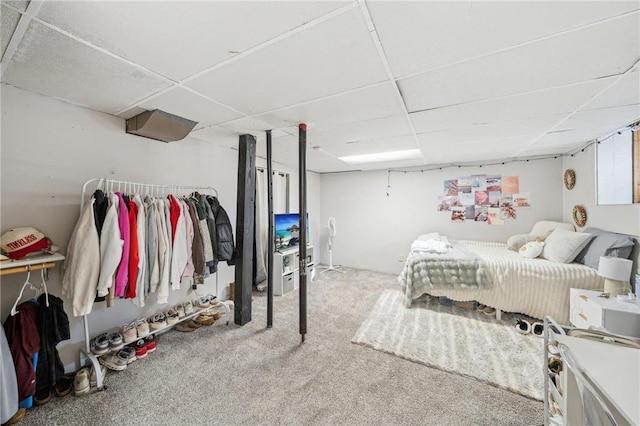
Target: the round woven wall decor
(569, 179)
(579, 216)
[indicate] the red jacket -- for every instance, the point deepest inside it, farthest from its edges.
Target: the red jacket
(24, 341)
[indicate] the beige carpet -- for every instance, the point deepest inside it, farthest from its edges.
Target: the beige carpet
(466, 343)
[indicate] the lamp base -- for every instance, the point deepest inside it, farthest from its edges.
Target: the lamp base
(616, 287)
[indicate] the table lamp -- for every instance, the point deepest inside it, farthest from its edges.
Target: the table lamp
(616, 273)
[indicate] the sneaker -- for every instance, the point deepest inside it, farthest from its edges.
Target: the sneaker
(81, 382)
(193, 324)
(151, 343)
(188, 308)
(537, 328)
(130, 353)
(100, 345)
(115, 342)
(523, 326)
(129, 333)
(158, 321)
(115, 361)
(213, 300)
(180, 310)
(141, 349)
(172, 317)
(202, 302)
(489, 311)
(142, 327)
(93, 380)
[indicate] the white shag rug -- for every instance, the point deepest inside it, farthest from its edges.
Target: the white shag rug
(467, 344)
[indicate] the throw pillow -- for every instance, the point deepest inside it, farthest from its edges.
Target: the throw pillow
(605, 243)
(518, 240)
(563, 246)
(532, 249)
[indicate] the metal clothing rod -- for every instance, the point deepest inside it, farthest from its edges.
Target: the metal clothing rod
(20, 269)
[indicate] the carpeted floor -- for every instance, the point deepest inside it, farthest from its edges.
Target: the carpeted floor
(253, 375)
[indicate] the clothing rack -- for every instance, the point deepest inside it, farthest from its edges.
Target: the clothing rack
(150, 189)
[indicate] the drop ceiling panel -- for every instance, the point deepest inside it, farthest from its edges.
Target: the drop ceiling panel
(184, 103)
(454, 31)
(567, 58)
(8, 22)
(530, 105)
(331, 57)
(576, 137)
(605, 116)
(361, 131)
(435, 150)
(216, 135)
(371, 146)
(625, 91)
(51, 64)
(178, 39)
(348, 108)
(414, 162)
(21, 5)
(481, 132)
(253, 127)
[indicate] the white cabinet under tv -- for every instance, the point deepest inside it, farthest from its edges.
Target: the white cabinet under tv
(286, 265)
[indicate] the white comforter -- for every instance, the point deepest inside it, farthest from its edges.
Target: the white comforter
(535, 287)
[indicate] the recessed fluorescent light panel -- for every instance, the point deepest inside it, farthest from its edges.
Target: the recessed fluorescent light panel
(382, 156)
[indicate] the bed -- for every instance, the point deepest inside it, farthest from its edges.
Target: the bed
(494, 275)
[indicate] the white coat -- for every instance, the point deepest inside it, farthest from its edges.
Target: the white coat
(110, 246)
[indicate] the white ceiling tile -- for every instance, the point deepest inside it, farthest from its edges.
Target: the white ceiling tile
(52, 64)
(550, 150)
(352, 107)
(530, 105)
(216, 135)
(567, 58)
(8, 22)
(135, 111)
(576, 137)
(597, 117)
(454, 31)
(414, 162)
(21, 5)
(184, 103)
(178, 39)
(331, 57)
(252, 126)
(436, 151)
(373, 146)
(625, 91)
(361, 131)
(484, 132)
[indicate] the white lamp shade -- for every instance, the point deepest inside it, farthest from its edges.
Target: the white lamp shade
(615, 268)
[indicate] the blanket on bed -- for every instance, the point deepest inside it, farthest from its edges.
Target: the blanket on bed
(454, 268)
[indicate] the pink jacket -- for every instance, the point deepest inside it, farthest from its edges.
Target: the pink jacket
(122, 273)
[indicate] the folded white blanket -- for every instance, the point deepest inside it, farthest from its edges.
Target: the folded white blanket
(430, 246)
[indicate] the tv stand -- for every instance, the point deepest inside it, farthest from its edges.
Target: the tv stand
(286, 265)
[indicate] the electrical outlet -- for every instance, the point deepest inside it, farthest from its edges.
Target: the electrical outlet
(401, 258)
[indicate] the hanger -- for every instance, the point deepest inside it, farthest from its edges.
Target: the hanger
(14, 311)
(44, 285)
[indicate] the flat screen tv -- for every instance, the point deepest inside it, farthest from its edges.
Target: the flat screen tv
(287, 230)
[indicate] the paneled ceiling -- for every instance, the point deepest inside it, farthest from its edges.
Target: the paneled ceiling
(461, 81)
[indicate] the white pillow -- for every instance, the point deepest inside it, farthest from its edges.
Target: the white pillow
(427, 237)
(518, 240)
(543, 228)
(563, 246)
(532, 249)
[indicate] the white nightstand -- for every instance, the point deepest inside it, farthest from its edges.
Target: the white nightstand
(587, 309)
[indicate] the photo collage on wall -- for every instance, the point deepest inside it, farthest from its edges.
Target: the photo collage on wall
(483, 198)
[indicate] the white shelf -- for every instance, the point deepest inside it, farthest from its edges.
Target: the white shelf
(286, 265)
(36, 259)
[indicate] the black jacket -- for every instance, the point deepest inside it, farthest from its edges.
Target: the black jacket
(224, 232)
(53, 325)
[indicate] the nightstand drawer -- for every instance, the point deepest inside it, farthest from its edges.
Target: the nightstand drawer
(586, 312)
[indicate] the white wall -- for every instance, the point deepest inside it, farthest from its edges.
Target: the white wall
(624, 219)
(375, 230)
(50, 148)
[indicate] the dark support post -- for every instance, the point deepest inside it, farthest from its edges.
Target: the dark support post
(302, 172)
(245, 220)
(270, 235)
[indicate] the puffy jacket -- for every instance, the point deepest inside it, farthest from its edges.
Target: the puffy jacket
(224, 232)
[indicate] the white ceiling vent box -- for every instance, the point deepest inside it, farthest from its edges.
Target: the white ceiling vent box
(160, 125)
